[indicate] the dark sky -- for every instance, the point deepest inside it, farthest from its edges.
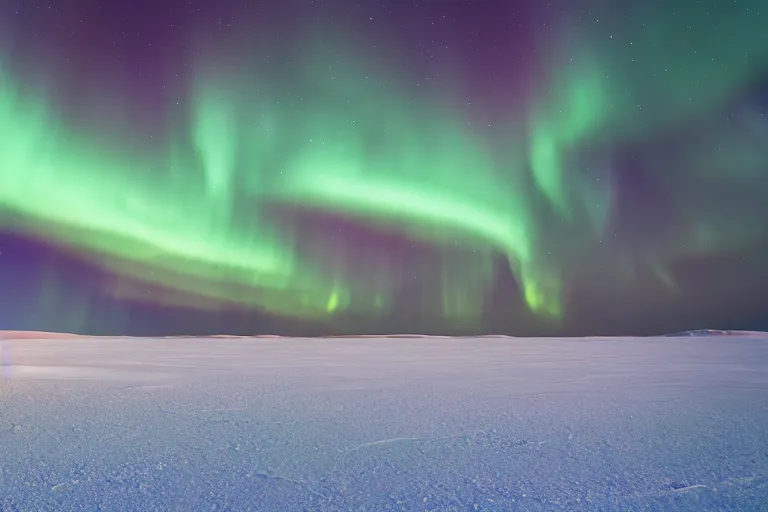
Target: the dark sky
(333, 167)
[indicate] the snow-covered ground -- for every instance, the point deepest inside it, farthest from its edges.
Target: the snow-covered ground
(372, 424)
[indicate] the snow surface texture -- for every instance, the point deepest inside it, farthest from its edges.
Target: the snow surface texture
(482, 424)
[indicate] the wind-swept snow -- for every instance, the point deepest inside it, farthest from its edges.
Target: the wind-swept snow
(372, 424)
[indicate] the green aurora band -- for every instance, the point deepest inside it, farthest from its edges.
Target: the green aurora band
(198, 220)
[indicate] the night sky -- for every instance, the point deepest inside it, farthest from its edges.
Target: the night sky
(297, 167)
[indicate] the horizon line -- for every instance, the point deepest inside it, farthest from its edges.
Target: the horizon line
(24, 334)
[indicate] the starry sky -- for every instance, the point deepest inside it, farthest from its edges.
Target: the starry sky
(309, 167)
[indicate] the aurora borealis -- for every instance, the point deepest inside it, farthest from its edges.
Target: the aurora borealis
(434, 166)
